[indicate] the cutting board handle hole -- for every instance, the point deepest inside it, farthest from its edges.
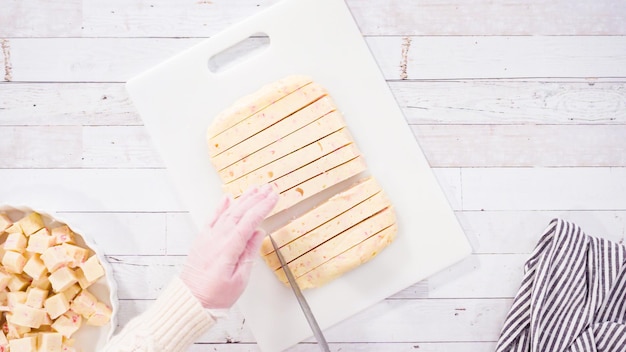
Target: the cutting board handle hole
(242, 51)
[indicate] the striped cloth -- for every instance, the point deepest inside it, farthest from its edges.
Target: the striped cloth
(572, 298)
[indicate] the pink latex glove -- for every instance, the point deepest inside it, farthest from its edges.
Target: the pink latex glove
(219, 263)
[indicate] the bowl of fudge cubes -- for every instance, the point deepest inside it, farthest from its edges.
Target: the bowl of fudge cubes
(56, 288)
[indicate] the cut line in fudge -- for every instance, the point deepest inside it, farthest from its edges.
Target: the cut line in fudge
(319, 183)
(346, 261)
(271, 134)
(292, 161)
(311, 133)
(328, 230)
(322, 213)
(316, 167)
(308, 242)
(265, 118)
(255, 102)
(342, 242)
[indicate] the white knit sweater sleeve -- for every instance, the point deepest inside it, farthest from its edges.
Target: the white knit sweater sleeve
(171, 324)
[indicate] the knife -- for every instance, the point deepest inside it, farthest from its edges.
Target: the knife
(317, 332)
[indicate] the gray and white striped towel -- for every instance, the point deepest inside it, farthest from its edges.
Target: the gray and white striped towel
(572, 297)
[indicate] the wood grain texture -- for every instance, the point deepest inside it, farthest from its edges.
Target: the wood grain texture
(66, 104)
(130, 147)
(496, 102)
(480, 17)
(522, 145)
(441, 57)
(204, 18)
(544, 188)
(493, 102)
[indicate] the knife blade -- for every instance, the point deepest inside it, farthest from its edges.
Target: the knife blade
(317, 332)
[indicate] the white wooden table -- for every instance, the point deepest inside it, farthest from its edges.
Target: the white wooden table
(519, 106)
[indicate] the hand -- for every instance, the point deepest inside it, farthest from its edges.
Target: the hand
(220, 260)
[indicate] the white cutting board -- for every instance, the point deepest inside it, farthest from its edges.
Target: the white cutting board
(178, 99)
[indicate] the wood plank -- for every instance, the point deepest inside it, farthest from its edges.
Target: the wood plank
(480, 276)
(180, 233)
(471, 57)
(89, 59)
(389, 321)
(25, 147)
(499, 102)
(117, 60)
(162, 18)
(412, 320)
(502, 232)
(443, 145)
(74, 104)
(147, 190)
(135, 18)
(544, 188)
(591, 101)
(522, 145)
(118, 147)
(78, 147)
(40, 18)
(481, 17)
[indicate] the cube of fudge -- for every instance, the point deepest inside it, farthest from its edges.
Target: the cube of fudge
(92, 269)
(15, 228)
(35, 297)
(15, 242)
(54, 258)
(31, 223)
(84, 304)
(82, 280)
(18, 283)
(62, 234)
(15, 331)
(101, 315)
(71, 292)
(42, 283)
(75, 255)
(50, 341)
(25, 344)
(40, 241)
(56, 305)
(15, 298)
(35, 267)
(13, 262)
(24, 315)
(62, 279)
(68, 323)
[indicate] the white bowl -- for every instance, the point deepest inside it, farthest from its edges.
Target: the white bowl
(88, 338)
